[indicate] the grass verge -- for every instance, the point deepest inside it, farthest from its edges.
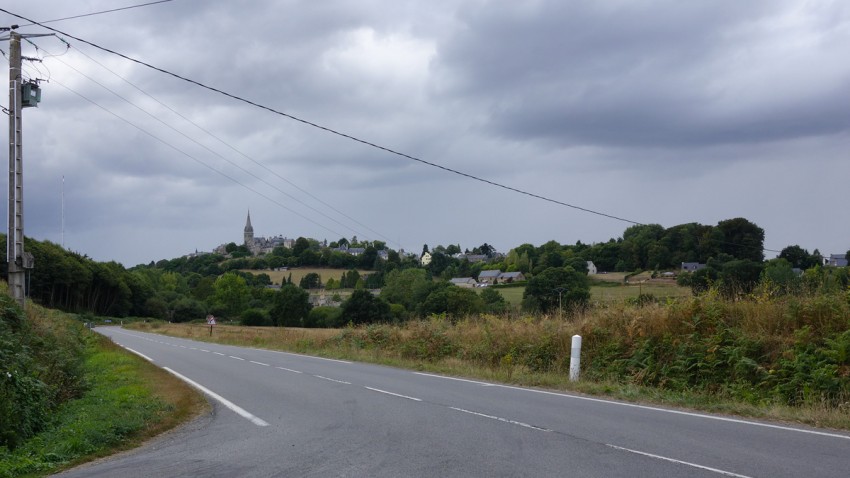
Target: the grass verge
(622, 358)
(127, 401)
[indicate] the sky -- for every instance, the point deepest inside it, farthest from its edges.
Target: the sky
(662, 112)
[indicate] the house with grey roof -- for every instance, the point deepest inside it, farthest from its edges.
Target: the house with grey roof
(465, 282)
(692, 266)
(837, 260)
(489, 277)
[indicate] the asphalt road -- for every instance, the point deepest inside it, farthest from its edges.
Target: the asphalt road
(280, 414)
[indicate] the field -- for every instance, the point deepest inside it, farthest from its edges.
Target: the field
(607, 291)
(278, 277)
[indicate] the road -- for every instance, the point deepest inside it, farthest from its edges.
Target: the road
(281, 414)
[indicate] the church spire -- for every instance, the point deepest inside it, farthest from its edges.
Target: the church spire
(249, 231)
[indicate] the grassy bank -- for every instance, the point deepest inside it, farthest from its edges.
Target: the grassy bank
(785, 359)
(113, 400)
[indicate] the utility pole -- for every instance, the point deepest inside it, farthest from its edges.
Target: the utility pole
(19, 261)
(15, 237)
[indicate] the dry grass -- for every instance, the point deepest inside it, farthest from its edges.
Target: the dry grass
(278, 277)
(534, 351)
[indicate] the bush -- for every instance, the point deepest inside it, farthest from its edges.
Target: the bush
(255, 317)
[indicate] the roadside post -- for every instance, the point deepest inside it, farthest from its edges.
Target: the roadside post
(211, 322)
(575, 358)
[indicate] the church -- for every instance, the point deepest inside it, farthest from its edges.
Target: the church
(263, 245)
(258, 245)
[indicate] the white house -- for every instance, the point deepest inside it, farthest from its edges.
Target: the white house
(591, 268)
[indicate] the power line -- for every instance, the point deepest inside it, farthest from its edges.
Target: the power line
(344, 135)
(327, 129)
(238, 151)
(175, 148)
(207, 148)
(96, 13)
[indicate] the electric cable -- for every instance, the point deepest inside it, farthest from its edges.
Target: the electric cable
(97, 13)
(255, 176)
(238, 151)
(325, 128)
(344, 135)
(175, 148)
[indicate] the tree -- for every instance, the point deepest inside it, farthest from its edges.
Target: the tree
(494, 302)
(301, 245)
(255, 317)
(291, 306)
(541, 293)
(742, 239)
(451, 300)
(401, 286)
(231, 294)
(364, 308)
(798, 257)
(311, 281)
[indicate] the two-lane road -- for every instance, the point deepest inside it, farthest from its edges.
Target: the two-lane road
(280, 414)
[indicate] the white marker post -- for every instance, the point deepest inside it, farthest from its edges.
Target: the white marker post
(575, 358)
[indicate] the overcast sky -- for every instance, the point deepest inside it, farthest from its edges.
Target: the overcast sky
(661, 112)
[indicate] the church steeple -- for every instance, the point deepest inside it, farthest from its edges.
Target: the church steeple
(249, 231)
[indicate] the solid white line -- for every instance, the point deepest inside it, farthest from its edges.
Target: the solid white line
(260, 363)
(393, 394)
(655, 409)
(139, 354)
(227, 403)
(237, 358)
(288, 369)
(659, 457)
(332, 380)
(455, 378)
(512, 422)
(300, 355)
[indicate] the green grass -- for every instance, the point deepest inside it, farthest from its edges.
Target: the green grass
(127, 401)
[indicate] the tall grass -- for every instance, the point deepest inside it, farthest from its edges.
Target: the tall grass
(755, 354)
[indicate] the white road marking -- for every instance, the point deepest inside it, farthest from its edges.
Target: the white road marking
(139, 354)
(659, 457)
(203, 350)
(393, 394)
(260, 363)
(288, 369)
(655, 409)
(512, 422)
(332, 380)
(485, 384)
(219, 353)
(227, 403)
(237, 358)
(301, 355)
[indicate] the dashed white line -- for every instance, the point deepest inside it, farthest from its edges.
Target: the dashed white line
(646, 407)
(301, 355)
(505, 420)
(260, 363)
(694, 465)
(237, 358)
(227, 403)
(332, 380)
(393, 394)
(288, 369)
(219, 353)
(203, 350)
